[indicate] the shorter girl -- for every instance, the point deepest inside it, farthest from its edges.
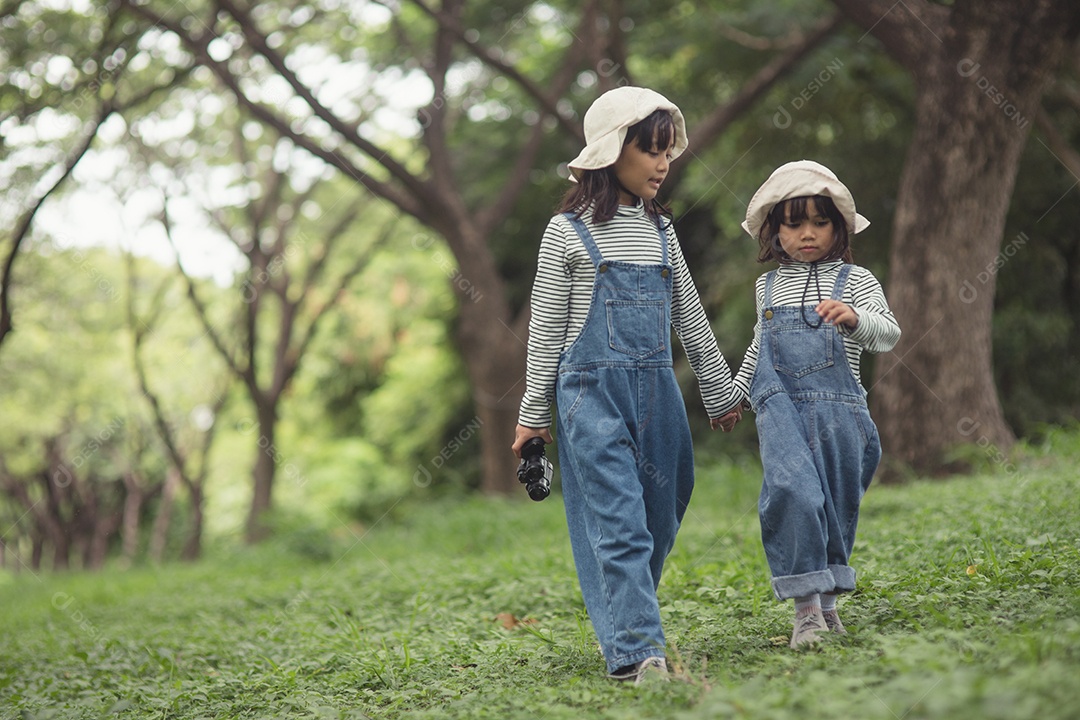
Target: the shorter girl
(819, 447)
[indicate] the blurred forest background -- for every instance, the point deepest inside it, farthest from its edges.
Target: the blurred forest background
(267, 265)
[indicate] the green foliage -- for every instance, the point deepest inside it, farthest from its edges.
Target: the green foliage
(67, 338)
(1037, 277)
(468, 608)
(384, 388)
(70, 407)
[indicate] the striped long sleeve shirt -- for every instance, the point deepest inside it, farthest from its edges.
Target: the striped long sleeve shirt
(876, 332)
(562, 293)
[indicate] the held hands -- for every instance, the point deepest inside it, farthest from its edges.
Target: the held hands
(837, 313)
(726, 422)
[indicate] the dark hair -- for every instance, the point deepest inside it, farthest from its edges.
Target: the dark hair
(794, 210)
(600, 188)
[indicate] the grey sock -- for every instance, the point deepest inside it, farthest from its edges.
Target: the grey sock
(804, 605)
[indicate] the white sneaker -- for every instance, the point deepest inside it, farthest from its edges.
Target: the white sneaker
(832, 621)
(807, 627)
(649, 669)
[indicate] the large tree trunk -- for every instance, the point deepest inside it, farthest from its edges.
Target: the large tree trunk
(493, 346)
(980, 69)
(496, 369)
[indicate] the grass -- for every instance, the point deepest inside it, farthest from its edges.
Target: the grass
(967, 607)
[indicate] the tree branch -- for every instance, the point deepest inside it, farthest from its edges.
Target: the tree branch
(492, 216)
(27, 219)
(548, 104)
(497, 212)
(192, 481)
(316, 268)
(705, 133)
(138, 332)
(200, 48)
(343, 284)
(243, 373)
(906, 29)
(1057, 143)
(258, 41)
(22, 228)
(756, 42)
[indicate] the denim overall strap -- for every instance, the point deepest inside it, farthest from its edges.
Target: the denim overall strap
(769, 279)
(819, 449)
(841, 280)
(586, 238)
(663, 243)
(625, 454)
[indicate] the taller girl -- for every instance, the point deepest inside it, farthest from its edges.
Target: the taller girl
(610, 284)
(819, 447)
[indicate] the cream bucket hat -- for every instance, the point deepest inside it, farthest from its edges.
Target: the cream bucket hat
(802, 178)
(607, 120)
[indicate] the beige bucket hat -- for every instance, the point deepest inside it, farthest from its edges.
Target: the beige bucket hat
(801, 179)
(607, 120)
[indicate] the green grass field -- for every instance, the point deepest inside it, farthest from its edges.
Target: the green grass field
(968, 607)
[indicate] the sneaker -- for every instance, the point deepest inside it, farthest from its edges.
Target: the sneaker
(643, 672)
(649, 669)
(832, 621)
(807, 627)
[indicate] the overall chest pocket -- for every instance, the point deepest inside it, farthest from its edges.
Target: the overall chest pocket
(636, 327)
(799, 350)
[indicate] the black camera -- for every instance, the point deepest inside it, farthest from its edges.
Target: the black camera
(535, 470)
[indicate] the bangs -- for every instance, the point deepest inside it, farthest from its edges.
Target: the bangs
(798, 209)
(658, 126)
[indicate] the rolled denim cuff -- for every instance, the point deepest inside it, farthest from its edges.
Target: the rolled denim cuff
(837, 579)
(793, 586)
(843, 577)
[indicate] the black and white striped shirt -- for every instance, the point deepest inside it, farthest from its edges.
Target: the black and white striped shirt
(876, 332)
(562, 293)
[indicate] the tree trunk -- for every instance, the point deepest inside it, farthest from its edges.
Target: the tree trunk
(980, 69)
(496, 372)
(493, 347)
(54, 527)
(106, 525)
(193, 546)
(159, 533)
(133, 503)
(263, 472)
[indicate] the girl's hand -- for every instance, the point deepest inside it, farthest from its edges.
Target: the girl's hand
(837, 313)
(523, 434)
(726, 422)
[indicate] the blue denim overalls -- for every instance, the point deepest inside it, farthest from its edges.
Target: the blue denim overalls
(625, 451)
(819, 448)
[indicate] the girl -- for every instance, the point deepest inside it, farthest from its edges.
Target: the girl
(819, 447)
(610, 283)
